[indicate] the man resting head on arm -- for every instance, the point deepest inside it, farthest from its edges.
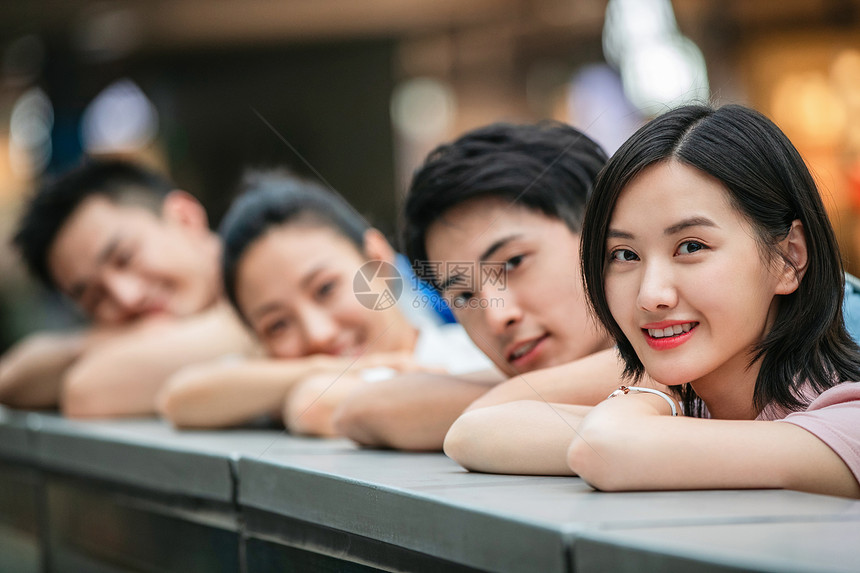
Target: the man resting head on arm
(138, 257)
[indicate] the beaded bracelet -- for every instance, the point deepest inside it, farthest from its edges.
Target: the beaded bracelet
(636, 390)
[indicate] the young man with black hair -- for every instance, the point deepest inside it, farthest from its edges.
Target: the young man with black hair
(493, 220)
(138, 257)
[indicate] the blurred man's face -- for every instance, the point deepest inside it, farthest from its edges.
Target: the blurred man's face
(122, 262)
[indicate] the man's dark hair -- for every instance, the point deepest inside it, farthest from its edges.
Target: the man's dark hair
(55, 202)
(276, 198)
(548, 167)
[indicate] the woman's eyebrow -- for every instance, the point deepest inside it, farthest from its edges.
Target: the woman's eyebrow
(616, 234)
(260, 312)
(670, 230)
(310, 276)
(687, 223)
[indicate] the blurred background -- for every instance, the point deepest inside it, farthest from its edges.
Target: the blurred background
(356, 92)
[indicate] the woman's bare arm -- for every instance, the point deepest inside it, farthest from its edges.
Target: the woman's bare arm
(223, 393)
(629, 444)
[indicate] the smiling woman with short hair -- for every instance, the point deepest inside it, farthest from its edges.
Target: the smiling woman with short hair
(708, 255)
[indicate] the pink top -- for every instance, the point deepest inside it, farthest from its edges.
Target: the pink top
(834, 418)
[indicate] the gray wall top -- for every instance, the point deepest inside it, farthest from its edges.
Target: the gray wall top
(427, 503)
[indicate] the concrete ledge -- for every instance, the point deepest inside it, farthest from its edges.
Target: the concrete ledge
(141, 453)
(822, 546)
(15, 440)
(425, 502)
(395, 510)
(326, 501)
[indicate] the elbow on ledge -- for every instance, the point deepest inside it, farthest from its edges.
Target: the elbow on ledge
(357, 419)
(592, 456)
(81, 397)
(175, 403)
(460, 442)
(308, 410)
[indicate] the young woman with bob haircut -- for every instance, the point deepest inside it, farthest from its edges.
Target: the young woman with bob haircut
(292, 252)
(708, 256)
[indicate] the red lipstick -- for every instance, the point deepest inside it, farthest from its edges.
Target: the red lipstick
(668, 342)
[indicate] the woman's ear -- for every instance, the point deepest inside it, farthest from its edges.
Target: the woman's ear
(182, 209)
(795, 252)
(377, 247)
